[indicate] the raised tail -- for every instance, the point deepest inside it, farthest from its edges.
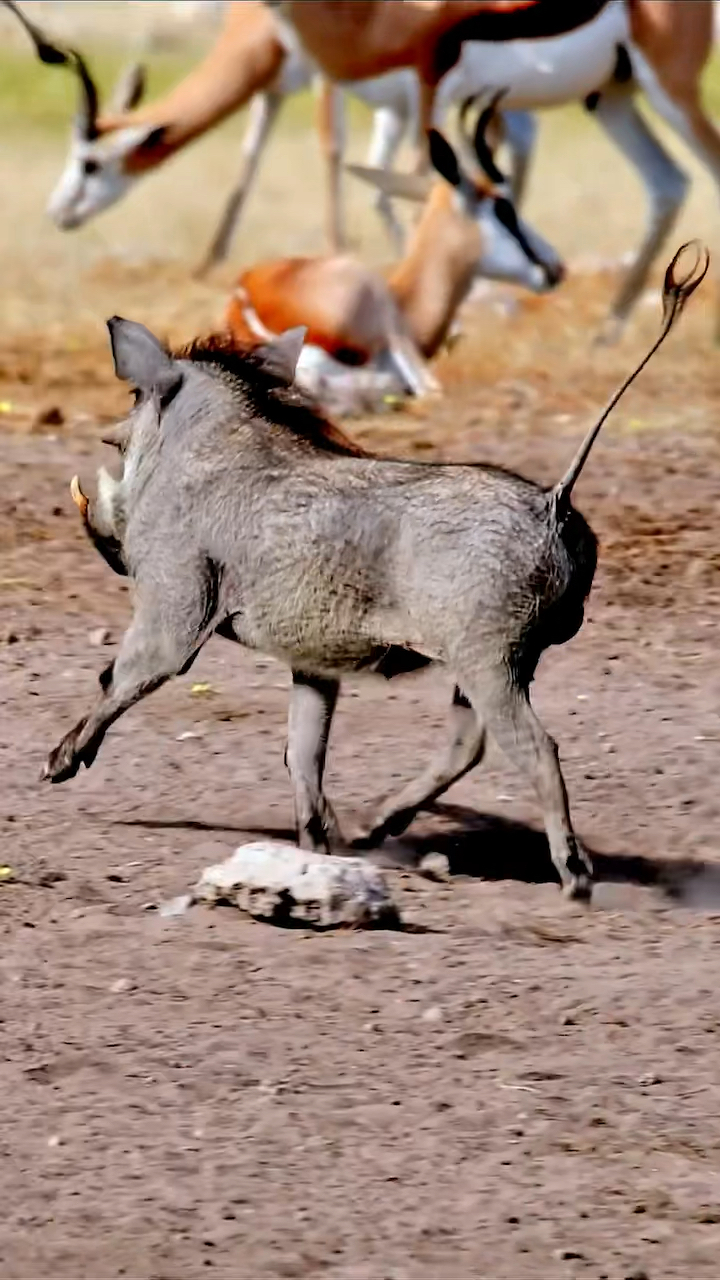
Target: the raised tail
(674, 296)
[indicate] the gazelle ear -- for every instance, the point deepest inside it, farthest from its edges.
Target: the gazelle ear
(406, 186)
(129, 89)
(279, 357)
(443, 158)
(133, 138)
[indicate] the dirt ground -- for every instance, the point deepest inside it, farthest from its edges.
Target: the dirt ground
(513, 1088)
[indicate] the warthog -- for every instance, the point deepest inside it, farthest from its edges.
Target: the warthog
(242, 513)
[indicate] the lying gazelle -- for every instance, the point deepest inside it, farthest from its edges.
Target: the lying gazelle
(355, 317)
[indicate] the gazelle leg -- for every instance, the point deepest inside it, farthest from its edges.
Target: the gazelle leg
(389, 127)
(462, 751)
(331, 132)
(665, 183)
(520, 129)
(312, 703)
(684, 112)
(411, 368)
(263, 113)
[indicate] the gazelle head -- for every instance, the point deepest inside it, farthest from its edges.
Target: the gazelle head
(106, 155)
(509, 249)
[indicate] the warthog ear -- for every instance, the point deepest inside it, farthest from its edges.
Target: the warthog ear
(280, 356)
(143, 361)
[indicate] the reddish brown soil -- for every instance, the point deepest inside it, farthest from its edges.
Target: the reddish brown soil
(515, 1087)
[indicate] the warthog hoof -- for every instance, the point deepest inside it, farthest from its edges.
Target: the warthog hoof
(64, 762)
(578, 890)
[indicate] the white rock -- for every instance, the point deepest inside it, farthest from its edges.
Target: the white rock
(434, 866)
(121, 985)
(270, 879)
(175, 906)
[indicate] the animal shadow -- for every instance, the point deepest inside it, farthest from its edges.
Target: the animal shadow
(496, 848)
(490, 847)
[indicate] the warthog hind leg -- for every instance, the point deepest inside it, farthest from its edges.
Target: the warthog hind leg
(517, 730)
(460, 753)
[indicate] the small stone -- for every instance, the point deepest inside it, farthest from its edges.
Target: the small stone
(187, 735)
(637, 1275)
(434, 866)
(433, 1014)
(175, 906)
(11, 637)
(567, 1020)
(650, 1078)
(99, 636)
(569, 1255)
(54, 1140)
(121, 986)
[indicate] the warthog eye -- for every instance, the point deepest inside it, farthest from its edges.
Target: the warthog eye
(90, 167)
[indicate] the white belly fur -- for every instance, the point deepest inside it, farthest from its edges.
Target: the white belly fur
(540, 73)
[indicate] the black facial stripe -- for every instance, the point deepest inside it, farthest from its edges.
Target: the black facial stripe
(505, 213)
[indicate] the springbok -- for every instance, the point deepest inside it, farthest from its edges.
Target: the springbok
(253, 60)
(355, 317)
(658, 45)
(613, 48)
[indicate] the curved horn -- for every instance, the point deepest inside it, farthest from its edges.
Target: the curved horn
(89, 100)
(478, 143)
(53, 55)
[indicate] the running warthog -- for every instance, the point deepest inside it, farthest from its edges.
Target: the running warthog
(242, 512)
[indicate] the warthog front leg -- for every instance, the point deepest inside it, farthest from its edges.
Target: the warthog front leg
(517, 730)
(463, 749)
(312, 703)
(153, 649)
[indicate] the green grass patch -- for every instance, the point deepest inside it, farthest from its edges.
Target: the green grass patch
(34, 96)
(44, 99)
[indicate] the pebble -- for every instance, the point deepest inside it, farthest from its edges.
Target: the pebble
(99, 636)
(175, 906)
(121, 985)
(54, 1140)
(433, 1014)
(434, 866)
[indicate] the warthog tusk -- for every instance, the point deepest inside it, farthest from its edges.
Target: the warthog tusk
(78, 496)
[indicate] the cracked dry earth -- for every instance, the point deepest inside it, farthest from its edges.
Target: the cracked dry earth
(514, 1087)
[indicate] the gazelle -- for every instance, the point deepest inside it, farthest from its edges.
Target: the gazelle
(355, 317)
(615, 47)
